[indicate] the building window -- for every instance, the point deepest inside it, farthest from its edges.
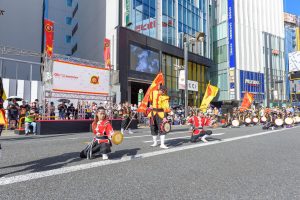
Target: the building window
(74, 49)
(69, 3)
(74, 29)
(69, 20)
(68, 38)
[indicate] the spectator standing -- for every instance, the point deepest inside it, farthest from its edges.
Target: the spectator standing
(13, 113)
(23, 109)
(52, 111)
(62, 110)
(71, 112)
(35, 107)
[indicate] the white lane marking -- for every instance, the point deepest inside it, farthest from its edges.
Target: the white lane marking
(167, 139)
(216, 134)
(64, 170)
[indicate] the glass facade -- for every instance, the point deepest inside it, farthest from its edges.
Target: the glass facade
(196, 73)
(143, 17)
(168, 21)
(191, 18)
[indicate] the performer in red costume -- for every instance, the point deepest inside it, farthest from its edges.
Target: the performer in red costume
(198, 122)
(103, 131)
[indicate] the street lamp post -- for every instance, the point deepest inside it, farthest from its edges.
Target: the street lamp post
(186, 92)
(198, 37)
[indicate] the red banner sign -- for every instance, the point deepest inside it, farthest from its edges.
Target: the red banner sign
(49, 33)
(106, 53)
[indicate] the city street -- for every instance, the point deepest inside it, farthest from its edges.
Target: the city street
(236, 163)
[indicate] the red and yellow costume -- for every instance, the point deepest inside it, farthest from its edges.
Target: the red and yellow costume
(198, 124)
(102, 141)
(2, 117)
(160, 107)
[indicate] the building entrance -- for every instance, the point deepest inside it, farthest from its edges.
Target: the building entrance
(135, 87)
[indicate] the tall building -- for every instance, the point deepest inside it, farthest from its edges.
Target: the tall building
(292, 49)
(148, 36)
(91, 26)
(248, 48)
(64, 15)
(21, 34)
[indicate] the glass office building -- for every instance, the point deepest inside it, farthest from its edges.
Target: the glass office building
(177, 17)
(169, 21)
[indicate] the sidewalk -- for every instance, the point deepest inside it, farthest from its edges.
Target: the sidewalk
(8, 133)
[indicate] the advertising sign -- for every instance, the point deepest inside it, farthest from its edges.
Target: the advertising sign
(294, 61)
(192, 85)
(252, 82)
(290, 18)
(80, 79)
(231, 34)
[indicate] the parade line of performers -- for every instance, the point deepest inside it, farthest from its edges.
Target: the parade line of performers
(157, 111)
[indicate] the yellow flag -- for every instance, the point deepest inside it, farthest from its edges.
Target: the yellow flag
(210, 93)
(3, 96)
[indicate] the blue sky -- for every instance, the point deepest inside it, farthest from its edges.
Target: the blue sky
(292, 6)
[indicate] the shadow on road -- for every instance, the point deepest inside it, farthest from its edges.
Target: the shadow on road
(177, 142)
(44, 164)
(121, 153)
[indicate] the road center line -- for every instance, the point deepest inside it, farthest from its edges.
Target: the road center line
(64, 170)
(216, 134)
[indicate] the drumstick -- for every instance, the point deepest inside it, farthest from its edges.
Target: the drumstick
(130, 121)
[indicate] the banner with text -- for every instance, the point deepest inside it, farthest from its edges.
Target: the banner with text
(80, 79)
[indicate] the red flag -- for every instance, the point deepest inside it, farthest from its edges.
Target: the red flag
(247, 101)
(49, 33)
(106, 53)
(159, 80)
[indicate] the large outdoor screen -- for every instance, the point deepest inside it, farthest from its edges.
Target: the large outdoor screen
(144, 60)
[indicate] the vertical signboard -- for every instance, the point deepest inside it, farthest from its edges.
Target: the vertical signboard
(231, 34)
(127, 14)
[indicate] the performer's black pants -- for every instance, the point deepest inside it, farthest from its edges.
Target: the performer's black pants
(155, 124)
(102, 148)
(125, 122)
(194, 138)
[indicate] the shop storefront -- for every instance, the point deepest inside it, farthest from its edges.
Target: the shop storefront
(252, 82)
(140, 58)
(197, 76)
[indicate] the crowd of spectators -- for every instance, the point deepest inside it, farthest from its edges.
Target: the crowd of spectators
(19, 114)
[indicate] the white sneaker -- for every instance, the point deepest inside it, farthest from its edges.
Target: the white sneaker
(104, 156)
(163, 146)
(130, 131)
(204, 140)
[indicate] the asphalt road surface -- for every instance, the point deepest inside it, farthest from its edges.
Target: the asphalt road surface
(236, 163)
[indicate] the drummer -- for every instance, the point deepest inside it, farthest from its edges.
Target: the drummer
(103, 131)
(197, 123)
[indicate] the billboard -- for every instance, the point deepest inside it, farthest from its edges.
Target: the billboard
(294, 61)
(252, 82)
(289, 18)
(144, 60)
(231, 34)
(192, 85)
(79, 79)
